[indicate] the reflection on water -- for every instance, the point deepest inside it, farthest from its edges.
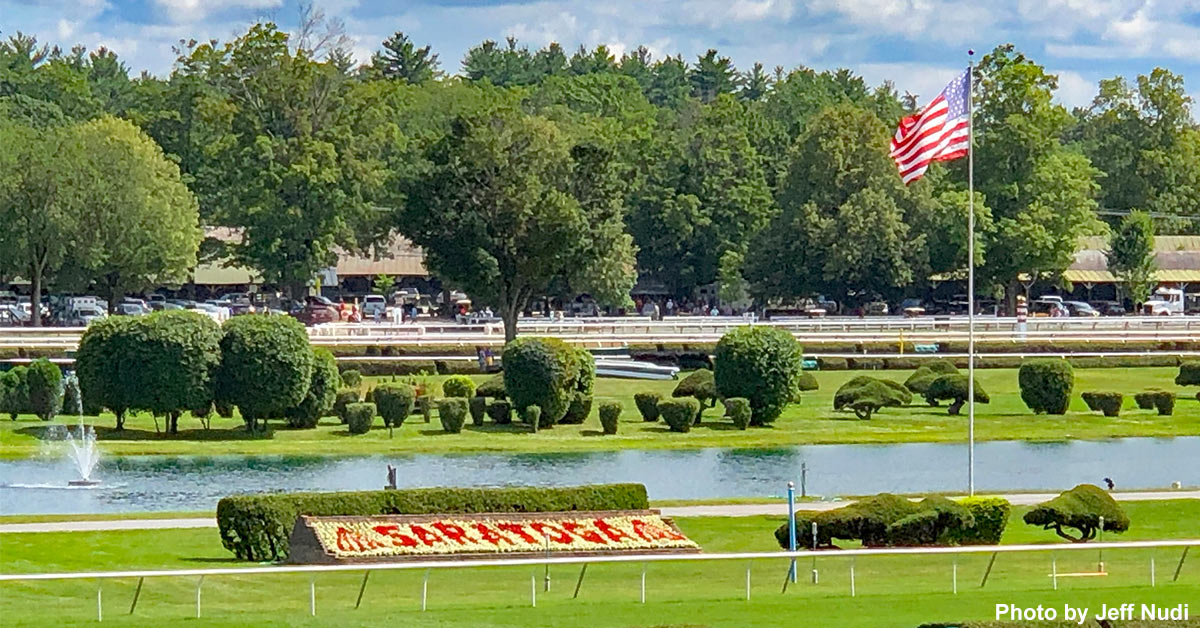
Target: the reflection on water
(147, 483)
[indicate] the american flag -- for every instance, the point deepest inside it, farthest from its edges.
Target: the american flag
(940, 132)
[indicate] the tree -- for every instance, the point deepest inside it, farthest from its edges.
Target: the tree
(598, 60)
(729, 275)
(401, 60)
(266, 367)
(141, 219)
(712, 76)
(510, 205)
(500, 66)
(382, 284)
(1131, 255)
(755, 83)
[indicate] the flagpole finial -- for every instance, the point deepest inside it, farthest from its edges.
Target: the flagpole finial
(971, 52)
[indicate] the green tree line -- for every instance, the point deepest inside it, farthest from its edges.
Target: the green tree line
(530, 173)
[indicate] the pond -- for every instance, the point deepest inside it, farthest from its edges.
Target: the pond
(151, 483)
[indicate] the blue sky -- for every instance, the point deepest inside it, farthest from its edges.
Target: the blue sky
(920, 44)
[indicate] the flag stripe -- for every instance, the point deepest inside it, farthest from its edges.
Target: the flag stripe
(939, 132)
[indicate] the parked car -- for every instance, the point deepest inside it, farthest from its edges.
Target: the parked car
(82, 315)
(374, 304)
(912, 308)
(130, 309)
(317, 310)
(876, 308)
(1079, 308)
(1109, 308)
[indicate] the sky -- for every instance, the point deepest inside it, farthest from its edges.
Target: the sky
(918, 44)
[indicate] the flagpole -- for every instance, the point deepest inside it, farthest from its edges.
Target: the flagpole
(970, 275)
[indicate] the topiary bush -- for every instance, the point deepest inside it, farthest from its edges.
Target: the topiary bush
(647, 405)
(883, 520)
(542, 372)
(72, 399)
(921, 378)
(257, 527)
(532, 416)
(99, 363)
(953, 388)
(1161, 400)
(394, 402)
(322, 392)
(679, 414)
(1189, 374)
(492, 388)
(1046, 385)
(1107, 402)
(865, 395)
(266, 366)
(458, 386)
(738, 409)
(990, 515)
(478, 408)
(43, 382)
(351, 378)
(700, 385)
(14, 392)
(578, 411)
(762, 364)
(807, 382)
(343, 398)
(1080, 509)
(500, 411)
(452, 411)
(359, 417)
(610, 416)
(585, 381)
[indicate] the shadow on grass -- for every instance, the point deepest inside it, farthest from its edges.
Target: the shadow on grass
(108, 433)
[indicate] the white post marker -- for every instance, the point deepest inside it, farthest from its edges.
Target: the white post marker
(851, 577)
(954, 577)
(312, 596)
(199, 583)
(425, 590)
(99, 602)
(748, 580)
(643, 583)
(1152, 571)
(533, 589)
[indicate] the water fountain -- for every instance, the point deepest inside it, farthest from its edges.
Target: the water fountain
(83, 454)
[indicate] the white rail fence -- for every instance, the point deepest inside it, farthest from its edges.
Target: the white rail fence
(584, 561)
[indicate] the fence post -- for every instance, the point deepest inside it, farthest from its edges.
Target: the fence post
(312, 596)
(546, 539)
(1179, 567)
(533, 589)
(136, 594)
(99, 601)
(425, 590)
(852, 559)
(362, 587)
(1054, 571)
(579, 582)
(748, 582)
(954, 576)
(1152, 571)
(988, 572)
(1100, 566)
(815, 576)
(199, 583)
(643, 583)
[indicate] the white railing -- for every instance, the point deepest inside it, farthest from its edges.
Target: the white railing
(643, 559)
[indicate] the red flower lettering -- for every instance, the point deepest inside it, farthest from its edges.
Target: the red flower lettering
(454, 533)
(579, 529)
(399, 539)
(428, 537)
(518, 530)
(490, 535)
(654, 532)
(553, 532)
(612, 533)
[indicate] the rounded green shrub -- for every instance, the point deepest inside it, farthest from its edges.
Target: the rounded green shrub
(807, 382)
(1081, 509)
(647, 405)
(1046, 385)
(541, 372)
(72, 399)
(1161, 400)
(1189, 374)
(344, 398)
(351, 378)
(359, 417)
(738, 409)
(865, 395)
(492, 388)
(990, 516)
(394, 402)
(44, 382)
(610, 416)
(761, 364)
(452, 411)
(266, 366)
(577, 411)
(458, 386)
(1107, 402)
(500, 412)
(700, 385)
(953, 388)
(99, 364)
(679, 414)
(321, 395)
(921, 378)
(478, 407)
(585, 381)
(532, 416)
(14, 392)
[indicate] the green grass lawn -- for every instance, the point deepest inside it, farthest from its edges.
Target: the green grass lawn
(810, 421)
(890, 591)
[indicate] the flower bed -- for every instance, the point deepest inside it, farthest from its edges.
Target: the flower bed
(460, 536)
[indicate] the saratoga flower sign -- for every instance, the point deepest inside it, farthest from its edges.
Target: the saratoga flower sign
(395, 537)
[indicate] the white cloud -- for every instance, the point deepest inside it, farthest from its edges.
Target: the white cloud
(1073, 89)
(192, 10)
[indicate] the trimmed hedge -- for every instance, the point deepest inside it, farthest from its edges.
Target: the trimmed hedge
(458, 386)
(257, 527)
(585, 381)
(72, 399)
(883, 520)
(807, 382)
(478, 408)
(452, 411)
(500, 411)
(1189, 374)
(865, 395)
(990, 516)
(351, 378)
(1161, 400)
(761, 364)
(532, 416)
(43, 382)
(321, 395)
(492, 388)
(577, 411)
(679, 414)
(1081, 509)
(610, 416)
(738, 409)
(954, 388)
(341, 400)
(541, 372)
(1046, 385)
(359, 417)
(1107, 402)
(14, 392)
(921, 378)
(395, 402)
(647, 405)
(699, 385)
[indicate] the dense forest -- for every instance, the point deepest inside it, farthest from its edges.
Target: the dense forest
(525, 173)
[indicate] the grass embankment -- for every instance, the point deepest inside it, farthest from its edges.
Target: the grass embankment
(809, 422)
(891, 591)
